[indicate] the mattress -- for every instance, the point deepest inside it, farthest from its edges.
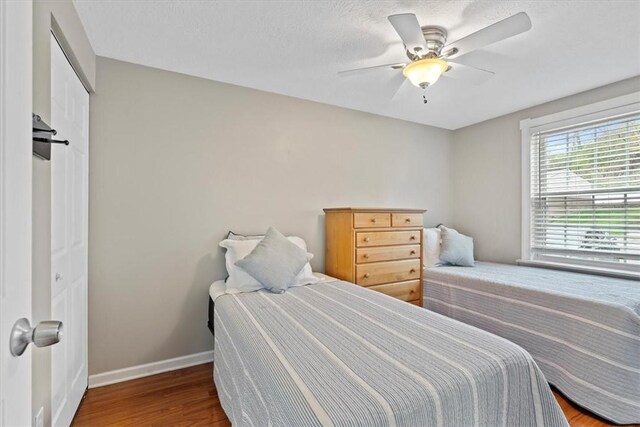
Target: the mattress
(582, 330)
(336, 354)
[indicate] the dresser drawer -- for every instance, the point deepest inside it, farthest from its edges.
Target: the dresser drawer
(386, 272)
(406, 220)
(387, 238)
(387, 253)
(406, 291)
(371, 220)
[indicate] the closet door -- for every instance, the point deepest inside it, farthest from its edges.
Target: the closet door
(69, 212)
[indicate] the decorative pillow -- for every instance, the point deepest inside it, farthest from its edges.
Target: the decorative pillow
(275, 262)
(431, 247)
(457, 249)
(305, 277)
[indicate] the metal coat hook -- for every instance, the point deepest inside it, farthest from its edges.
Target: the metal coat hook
(42, 140)
(50, 141)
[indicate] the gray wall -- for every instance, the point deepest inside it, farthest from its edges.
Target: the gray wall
(177, 161)
(487, 174)
(61, 18)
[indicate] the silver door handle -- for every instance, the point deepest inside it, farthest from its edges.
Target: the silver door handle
(44, 334)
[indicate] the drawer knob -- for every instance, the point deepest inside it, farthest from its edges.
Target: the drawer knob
(366, 239)
(365, 256)
(412, 238)
(373, 220)
(412, 253)
(407, 220)
(413, 270)
(366, 275)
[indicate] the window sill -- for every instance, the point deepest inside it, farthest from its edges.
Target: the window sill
(580, 269)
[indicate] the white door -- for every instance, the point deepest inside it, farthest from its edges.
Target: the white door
(69, 248)
(15, 206)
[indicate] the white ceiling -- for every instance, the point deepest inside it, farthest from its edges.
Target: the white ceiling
(296, 48)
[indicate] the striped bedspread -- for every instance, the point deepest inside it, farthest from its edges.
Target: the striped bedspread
(336, 354)
(582, 330)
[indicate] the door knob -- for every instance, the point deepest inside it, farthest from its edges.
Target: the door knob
(44, 334)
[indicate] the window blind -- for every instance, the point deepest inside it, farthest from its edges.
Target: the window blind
(585, 193)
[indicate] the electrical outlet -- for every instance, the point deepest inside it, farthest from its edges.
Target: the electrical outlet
(38, 421)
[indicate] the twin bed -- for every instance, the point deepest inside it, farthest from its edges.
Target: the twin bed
(334, 353)
(583, 331)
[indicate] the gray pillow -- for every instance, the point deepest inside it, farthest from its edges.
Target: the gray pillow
(457, 249)
(275, 262)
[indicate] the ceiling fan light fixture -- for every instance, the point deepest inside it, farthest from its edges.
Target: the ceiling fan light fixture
(425, 72)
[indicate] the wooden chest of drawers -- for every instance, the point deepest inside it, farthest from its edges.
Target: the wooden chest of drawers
(377, 248)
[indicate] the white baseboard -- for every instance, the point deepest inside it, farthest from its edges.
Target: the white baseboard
(119, 375)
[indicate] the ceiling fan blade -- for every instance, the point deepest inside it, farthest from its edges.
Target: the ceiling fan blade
(405, 88)
(509, 27)
(395, 66)
(408, 28)
(468, 73)
(396, 84)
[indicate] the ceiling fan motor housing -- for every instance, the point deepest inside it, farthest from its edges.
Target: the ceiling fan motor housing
(435, 37)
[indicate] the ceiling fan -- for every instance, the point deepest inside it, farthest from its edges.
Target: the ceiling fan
(431, 57)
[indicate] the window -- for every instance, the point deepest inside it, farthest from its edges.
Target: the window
(582, 202)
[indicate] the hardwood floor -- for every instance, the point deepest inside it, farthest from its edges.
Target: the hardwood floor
(187, 397)
(579, 417)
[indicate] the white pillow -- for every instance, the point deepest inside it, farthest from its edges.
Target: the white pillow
(241, 281)
(457, 249)
(431, 247)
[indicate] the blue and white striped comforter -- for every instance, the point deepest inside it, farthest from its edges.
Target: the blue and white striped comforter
(336, 354)
(582, 330)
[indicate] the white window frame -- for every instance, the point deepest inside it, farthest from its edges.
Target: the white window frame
(592, 112)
